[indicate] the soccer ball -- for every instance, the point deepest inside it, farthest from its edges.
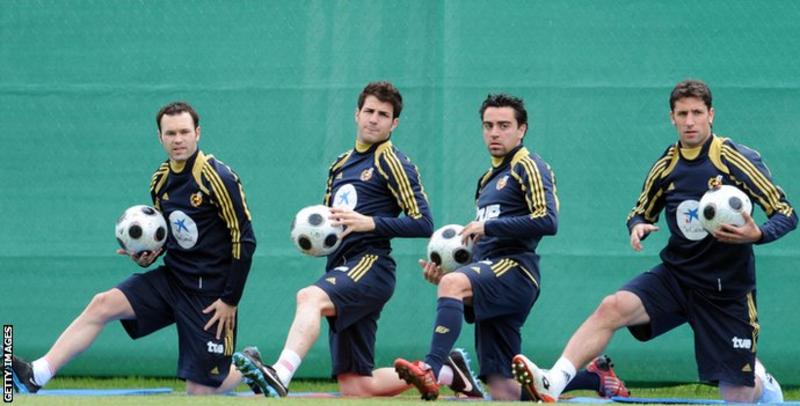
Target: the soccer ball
(141, 228)
(313, 233)
(723, 205)
(446, 250)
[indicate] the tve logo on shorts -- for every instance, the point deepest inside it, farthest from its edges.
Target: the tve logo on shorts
(215, 348)
(745, 343)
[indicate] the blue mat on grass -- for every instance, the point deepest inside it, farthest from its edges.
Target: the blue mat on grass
(291, 394)
(668, 401)
(103, 392)
(674, 401)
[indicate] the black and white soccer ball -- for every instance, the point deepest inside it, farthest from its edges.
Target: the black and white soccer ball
(723, 205)
(312, 232)
(141, 228)
(446, 249)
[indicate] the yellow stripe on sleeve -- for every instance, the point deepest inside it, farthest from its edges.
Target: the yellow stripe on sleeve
(537, 187)
(524, 189)
(406, 192)
(403, 182)
(159, 177)
(645, 203)
(226, 207)
(340, 161)
(485, 177)
(765, 186)
(555, 194)
(244, 202)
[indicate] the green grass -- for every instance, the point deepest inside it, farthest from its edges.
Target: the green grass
(179, 398)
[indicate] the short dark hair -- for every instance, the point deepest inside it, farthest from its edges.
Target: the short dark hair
(690, 88)
(506, 100)
(385, 92)
(176, 108)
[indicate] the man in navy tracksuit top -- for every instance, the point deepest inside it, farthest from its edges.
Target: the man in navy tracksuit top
(704, 279)
(516, 206)
(209, 250)
(368, 188)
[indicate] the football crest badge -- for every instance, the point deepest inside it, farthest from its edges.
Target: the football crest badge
(196, 199)
(715, 182)
(502, 182)
(366, 175)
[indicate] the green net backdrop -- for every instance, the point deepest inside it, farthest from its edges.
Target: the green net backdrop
(276, 82)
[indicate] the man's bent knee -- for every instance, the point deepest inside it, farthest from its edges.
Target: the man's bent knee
(315, 297)
(109, 305)
(455, 284)
(621, 309)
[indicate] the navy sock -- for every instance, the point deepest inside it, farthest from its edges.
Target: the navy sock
(449, 313)
(584, 380)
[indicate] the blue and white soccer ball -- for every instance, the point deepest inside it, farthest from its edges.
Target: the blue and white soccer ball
(312, 232)
(446, 250)
(141, 228)
(723, 205)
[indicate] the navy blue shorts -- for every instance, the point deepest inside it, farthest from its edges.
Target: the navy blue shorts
(725, 329)
(358, 289)
(503, 293)
(158, 301)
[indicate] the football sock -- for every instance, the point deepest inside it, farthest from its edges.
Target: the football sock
(584, 380)
(560, 375)
(41, 371)
(445, 375)
(449, 312)
(286, 365)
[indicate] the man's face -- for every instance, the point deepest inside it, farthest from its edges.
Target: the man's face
(374, 120)
(692, 118)
(179, 136)
(501, 132)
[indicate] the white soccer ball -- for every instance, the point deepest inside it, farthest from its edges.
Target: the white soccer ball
(313, 233)
(141, 228)
(446, 250)
(723, 205)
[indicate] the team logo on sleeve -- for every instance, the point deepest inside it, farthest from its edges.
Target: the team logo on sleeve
(196, 199)
(366, 175)
(184, 229)
(502, 182)
(346, 196)
(688, 218)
